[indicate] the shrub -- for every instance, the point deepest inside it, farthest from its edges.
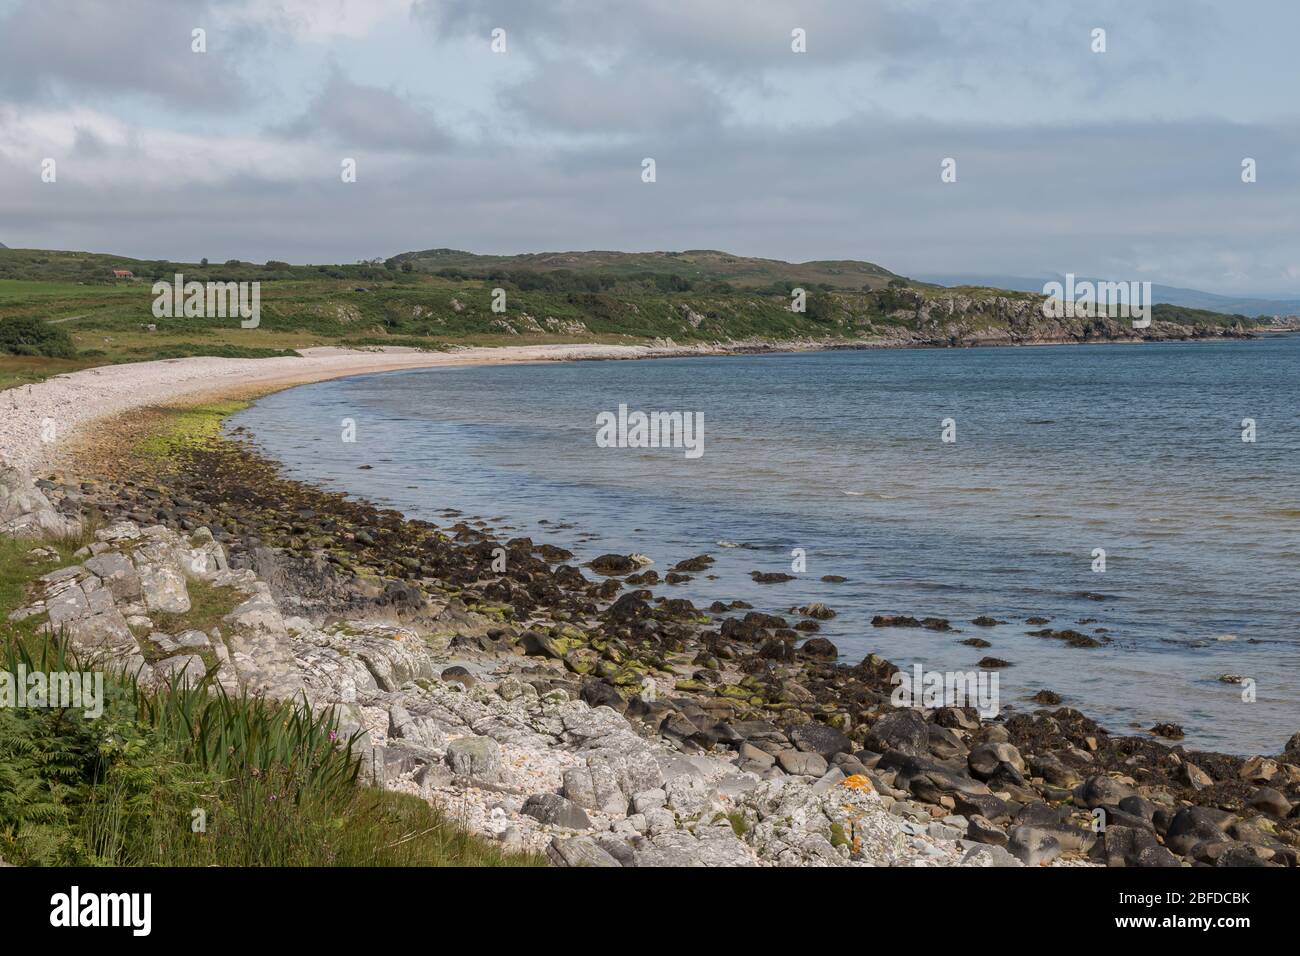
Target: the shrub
(27, 335)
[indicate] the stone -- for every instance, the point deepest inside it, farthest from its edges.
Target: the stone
(831, 778)
(821, 739)
(118, 574)
(1001, 760)
(1126, 846)
(1033, 846)
(905, 731)
(67, 605)
(648, 800)
(1258, 770)
(981, 830)
(818, 611)
(709, 846)
(818, 648)
(183, 668)
(801, 763)
(579, 851)
(941, 831)
(1195, 777)
(1100, 790)
(459, 675)
(751, 758)
(163, 589)
(557, 811)
(1193, 825)
(1271, 801)
(421, 731)
(988, 855)
(579, 787)
(474, 756)
(25, 512)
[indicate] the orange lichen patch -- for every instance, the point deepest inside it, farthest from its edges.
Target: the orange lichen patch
(858, 782)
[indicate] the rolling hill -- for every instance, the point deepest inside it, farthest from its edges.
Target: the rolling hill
(697, 266)
(443, 298)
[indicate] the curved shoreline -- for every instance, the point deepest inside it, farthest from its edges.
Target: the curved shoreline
(1069, 762)
(74, 400)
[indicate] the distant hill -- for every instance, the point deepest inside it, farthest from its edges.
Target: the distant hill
(3, 246)
(696, 266)
(442, 297)
(1167, 294)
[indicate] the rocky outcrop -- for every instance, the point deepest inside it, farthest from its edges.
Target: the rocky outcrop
(968, 320)
(25, 512)
(677, 732)
(507, 742)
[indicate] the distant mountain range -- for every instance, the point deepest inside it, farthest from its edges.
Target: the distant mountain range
(1171, 295)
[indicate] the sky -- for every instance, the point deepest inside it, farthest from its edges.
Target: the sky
(1123, 164)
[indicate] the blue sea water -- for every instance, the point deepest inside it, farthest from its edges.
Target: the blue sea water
(1134, 449)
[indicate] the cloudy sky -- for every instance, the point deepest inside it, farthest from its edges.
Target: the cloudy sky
(1123, 164)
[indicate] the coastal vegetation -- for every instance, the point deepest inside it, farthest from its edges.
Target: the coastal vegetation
(183, 774)
(179, 776)
(66, 310)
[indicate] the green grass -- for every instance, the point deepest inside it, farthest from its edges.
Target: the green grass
(23, 370)
(179, 428)
(440, 298)
(209, 603)
(183, 776)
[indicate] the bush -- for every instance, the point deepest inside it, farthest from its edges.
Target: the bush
(28, 335)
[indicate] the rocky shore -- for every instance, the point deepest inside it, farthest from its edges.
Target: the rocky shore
(574, 710)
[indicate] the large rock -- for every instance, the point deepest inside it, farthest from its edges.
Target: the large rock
(557, 811)
(164, 589)
(25, 512)
(423, 732)
(578, 851)
(118, 574)
(708, 846)
(1129, 846)
(1101, 791)
(1193, 825)
(1033, 846)
(474, 756)
(820, 739)
(904, 731)
(802, 763)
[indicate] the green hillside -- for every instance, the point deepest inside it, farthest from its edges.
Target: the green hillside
(697, 267)
(61, 310)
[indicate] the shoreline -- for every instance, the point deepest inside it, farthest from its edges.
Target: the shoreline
(72, 401)
(918, 764)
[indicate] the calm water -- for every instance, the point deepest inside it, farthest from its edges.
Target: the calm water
(1134, 449)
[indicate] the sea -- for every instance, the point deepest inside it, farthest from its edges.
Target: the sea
(1146, 495)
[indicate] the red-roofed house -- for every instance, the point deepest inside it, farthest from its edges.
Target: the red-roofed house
(123, 274)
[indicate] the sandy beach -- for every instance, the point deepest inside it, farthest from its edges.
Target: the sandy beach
(67, 404)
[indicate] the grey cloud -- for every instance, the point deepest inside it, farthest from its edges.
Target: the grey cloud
(367, 117)
(1094, 199)
(50, 48)
(574, 97)
(714, 32)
